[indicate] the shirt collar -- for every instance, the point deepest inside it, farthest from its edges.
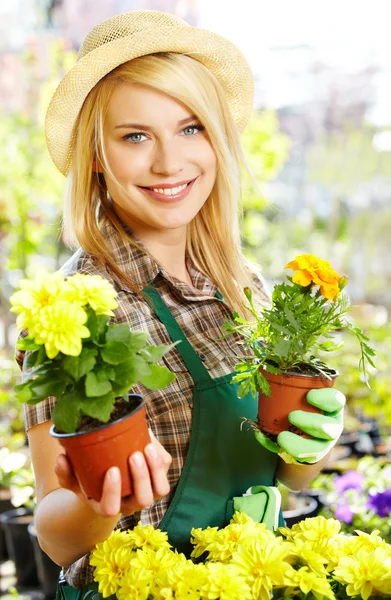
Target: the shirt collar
(141, 268)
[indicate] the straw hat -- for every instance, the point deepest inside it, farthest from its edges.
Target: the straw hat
(130, 35)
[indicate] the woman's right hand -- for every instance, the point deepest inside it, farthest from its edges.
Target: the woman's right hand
(149, 475)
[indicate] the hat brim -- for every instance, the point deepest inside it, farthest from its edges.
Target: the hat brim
(219, 55)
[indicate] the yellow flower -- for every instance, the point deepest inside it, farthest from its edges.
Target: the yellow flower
(316, 562)
(313, 529)
(60, 327)
(157, 564)
(311, 269)
(365, 573)
(224, 583)
(93, 290)
(135, 585)
(111, 560)
(201, 538)
(308, 581)
(186, 580)
(350, 545)
(221, 544)
(35, 295)
(148, 537)
(263, 565)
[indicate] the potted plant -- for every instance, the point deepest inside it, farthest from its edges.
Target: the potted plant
(285, 338)
(244, 561)
(89, 365)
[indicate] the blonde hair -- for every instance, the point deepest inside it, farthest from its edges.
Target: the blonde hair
(213, 240)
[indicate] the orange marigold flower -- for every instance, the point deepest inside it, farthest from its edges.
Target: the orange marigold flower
(311, 269)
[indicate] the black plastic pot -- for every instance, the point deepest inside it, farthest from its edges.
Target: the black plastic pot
(5, 505)
(47, 570)
(19, 547)
(307, 507)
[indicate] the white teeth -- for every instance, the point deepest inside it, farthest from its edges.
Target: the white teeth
(170, 191)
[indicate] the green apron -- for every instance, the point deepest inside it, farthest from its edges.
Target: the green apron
(225, 468)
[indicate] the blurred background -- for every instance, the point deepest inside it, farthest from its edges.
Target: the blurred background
(319, 146)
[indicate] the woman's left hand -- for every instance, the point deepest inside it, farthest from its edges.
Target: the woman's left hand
(324, 429)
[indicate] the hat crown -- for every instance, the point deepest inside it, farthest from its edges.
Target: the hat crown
(126, 24)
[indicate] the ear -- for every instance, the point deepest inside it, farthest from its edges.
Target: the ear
(96, 167)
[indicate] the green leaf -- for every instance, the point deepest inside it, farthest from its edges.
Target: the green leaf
(119, 333)
(97, 383)
(99, 407)
(27, 344)
(78, 366)
(97, 325)
(50, 384)
(114, 352)
(157, 352)
(159, 377)
(35, 358)
(282, 348)
(128, 373)
(137, 341)
(66, 413)
(23, 392)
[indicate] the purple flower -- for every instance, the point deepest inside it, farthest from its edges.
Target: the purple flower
(381, 503)
(344, 513)
(350, 481)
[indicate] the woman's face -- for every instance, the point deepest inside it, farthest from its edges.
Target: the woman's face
(160, 155)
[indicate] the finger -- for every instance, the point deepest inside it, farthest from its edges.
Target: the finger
(157, 470)
(166, 456)
(110, 502)
(318, 426)
(142, 486)
(327, 399)
(266, 442)
(65, 475)
(307, 450)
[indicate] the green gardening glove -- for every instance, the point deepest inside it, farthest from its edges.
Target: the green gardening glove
(324, 429)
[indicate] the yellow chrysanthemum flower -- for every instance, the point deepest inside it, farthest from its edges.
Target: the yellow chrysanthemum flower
(60, 327)
(33, 296)
(148, 537)
(263, 565)
(223, 583)
(313, 529)
(366, 573)
(186, 580)
(308, 581)
(304, 552)
(311, 269)
(221, 544)
(135, 584)
(93, 290)
(111, 560)
(158, 564)
(201, 538)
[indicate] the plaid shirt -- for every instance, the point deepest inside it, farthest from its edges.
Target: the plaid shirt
(169, 411)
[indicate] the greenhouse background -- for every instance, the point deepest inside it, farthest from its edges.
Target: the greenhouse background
(319, 148)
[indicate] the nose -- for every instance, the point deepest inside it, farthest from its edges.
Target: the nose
(168, 158)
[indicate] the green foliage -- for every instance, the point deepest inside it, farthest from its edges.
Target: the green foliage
(112, 361)
(288, 335)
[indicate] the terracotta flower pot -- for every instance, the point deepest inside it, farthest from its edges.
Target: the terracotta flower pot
(92, 453)
(288, 393)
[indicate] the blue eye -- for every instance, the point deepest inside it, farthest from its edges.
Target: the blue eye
(193, 129)
(134, 138)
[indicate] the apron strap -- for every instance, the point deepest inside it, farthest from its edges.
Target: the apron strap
(189, 356)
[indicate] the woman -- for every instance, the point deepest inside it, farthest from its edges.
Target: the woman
(146, 127)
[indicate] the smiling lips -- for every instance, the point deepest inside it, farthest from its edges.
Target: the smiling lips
(167, 193)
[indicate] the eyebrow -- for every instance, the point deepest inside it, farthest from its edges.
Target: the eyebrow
(147, 128)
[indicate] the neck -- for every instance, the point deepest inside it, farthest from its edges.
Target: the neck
(169, 249)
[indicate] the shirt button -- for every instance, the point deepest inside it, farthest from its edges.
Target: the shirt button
(202, 356)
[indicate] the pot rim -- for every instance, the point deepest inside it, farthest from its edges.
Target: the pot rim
(62, 436)
(332, 372)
